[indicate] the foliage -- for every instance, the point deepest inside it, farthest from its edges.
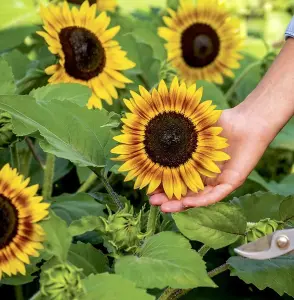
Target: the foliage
(101, 241)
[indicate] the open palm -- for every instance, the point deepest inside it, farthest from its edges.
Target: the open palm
(248, 140)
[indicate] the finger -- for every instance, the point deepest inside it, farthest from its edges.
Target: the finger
(190, 194)
(172, 206)
(157, 191)
(215, 194)
(158, 199)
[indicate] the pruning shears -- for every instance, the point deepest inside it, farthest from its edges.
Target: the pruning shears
(273, 245)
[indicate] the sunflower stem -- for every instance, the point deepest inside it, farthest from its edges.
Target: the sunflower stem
(14, 156)
(173, 294)
(113, 195)
(34, 152)
(203, 250)
(234, 86)
(88, 183)
(152, 220)
(18, 292)
(48, 176)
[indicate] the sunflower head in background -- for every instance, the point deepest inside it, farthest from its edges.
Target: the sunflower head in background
(102, 5)
(203, 40)
(20, 212)
(168, 139)
(87, 54)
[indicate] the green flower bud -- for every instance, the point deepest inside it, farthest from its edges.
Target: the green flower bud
(167, 72)
(261, 228)
(6, 134)
(62, 282)
(122, 230)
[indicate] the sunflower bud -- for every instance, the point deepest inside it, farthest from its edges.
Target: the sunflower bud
(6, 134)
(261, 228)
(62, 282)
(122, 230)
(167, 72)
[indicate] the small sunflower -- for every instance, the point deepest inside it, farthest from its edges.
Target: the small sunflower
(87, 53)
(20, 211)
(168, 139)
(202, 41)
(102, 5)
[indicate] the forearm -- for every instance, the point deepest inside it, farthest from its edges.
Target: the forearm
(271, 104)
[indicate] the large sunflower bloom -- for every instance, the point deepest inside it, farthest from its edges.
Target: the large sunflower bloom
(87, 53)
(202, 41)
(20, 211)
(102, 5)
(168, 139)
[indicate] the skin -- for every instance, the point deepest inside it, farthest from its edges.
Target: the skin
(250, 127)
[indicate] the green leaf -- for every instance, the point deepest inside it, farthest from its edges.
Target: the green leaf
(110, 287)
(254, 176)
(72, 92)
(58, 238)
(285, 139)
(255, 47)
(85, 224)
(216, 226)
(70, 131)
(18, 62)
(212, 92)
(71, 207)
(171, 261)
(12, 37)
(7, 86)
(276, 273)
(287, 209)
(259, 206)
(85, 256)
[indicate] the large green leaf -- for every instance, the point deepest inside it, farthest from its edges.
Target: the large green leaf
(71, 207)
(216, 226)
(212, 92)
(166, 259)
(287, 209)
(18, 62)
(111, 287)
(85, 256)
(77, 134)
(260, 205)
(12, 37)
(285, 139)
(58, 238)
(72, 92)
(7, 86)
(277, 273)
(85, 224)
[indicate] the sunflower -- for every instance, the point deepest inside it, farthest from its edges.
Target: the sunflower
(168, 139)
(202, 41)
(102, 5)
(20, 211)
(87, 53)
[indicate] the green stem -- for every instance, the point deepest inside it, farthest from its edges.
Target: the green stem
(88, 183)
(113, 195)
(18, 292)
(152, 220)
(173, 294)
(233, 87)
(203, 250)
(48, 176)
(14, 156)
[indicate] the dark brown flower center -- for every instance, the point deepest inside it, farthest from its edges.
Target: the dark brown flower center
(84, 55)
(8, 221)
(170, 139)
(200, 45)
(81, 1)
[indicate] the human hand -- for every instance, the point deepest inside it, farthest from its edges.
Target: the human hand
(248, 137)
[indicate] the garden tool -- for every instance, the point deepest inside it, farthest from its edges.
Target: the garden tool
(273, 245)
